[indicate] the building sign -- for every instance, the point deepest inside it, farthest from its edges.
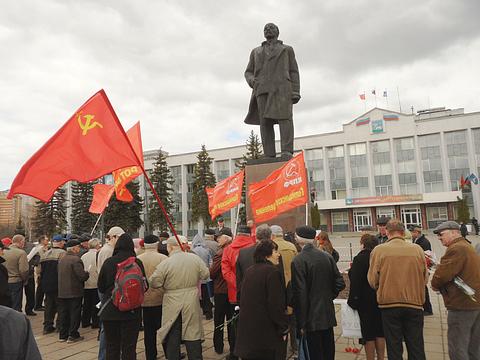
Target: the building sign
(383, 199)
(378, 126)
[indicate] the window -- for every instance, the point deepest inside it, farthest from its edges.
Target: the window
(222, 169)
(431, 162)
(316, 174)
(340, 221)
(336, 168)
(436, 215)
(386, 211)
(456, 142)
(361, 218)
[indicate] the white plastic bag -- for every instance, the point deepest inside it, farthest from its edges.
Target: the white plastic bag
(350, 321)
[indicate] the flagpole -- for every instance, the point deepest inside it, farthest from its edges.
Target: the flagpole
(170, 225)
(399, 103)
(236, 220)
(95, 226)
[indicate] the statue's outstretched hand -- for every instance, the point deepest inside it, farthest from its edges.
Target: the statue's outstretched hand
(295, 99)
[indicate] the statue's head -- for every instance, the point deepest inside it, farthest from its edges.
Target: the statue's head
(270, 31)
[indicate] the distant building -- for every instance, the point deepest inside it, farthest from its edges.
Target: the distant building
(382, 163)
(10, 210)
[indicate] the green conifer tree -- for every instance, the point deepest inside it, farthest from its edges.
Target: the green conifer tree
(162, 181)
(315, 216)
(82, 220)
(463, 211)
(51, 217)
(254, 151)
(125, 214)
(203, 177)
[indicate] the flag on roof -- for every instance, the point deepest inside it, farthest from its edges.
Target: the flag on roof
(374, 92)
(384, 93)
(362, 96)
(390, 117)
(362, 121)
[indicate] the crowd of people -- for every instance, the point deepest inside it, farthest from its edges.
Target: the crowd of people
(267, 288)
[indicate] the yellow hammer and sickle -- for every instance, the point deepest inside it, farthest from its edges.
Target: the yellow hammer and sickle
(87, 125)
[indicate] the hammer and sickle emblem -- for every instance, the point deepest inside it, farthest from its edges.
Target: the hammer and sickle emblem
(88, 124)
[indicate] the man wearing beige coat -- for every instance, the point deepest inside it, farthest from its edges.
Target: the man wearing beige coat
(152, 304)
(179, 276)
(398, 272)
(17, 265)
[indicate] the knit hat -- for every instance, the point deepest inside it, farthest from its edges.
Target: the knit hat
(243, 229)
(306, 232)
(7, 241)
(72, 243)
(151, 239)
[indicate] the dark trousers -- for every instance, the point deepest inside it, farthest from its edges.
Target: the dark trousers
(205, 301)
(51, 307)
(321, 344)
(403, 323)
(16, 294)
(265, 356)
(427, 306)
(222, 311)
(39, 295)
(173, 340)
(152, 321)
(89, 308)
(69, 311)
(268, 134)
(121, 338)
(30, 294)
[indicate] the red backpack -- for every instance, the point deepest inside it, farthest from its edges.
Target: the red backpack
(129, 290)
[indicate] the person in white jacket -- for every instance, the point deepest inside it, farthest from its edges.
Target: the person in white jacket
(90, 295)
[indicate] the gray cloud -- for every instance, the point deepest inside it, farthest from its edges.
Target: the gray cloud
(177, 66)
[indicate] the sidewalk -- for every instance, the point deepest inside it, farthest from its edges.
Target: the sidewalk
(435, 334)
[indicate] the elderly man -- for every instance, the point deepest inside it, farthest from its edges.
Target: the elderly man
(152, 304)
(49, 281)
(398, 272)
(272, 73)
(460, 260)
(42, 248)
(420, 239)
(382, 229)
(90, 297)
(316, 281)
(17, 265)
(5, 299)
(71, 278)
(179, 276)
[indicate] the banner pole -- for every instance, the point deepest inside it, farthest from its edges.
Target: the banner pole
(96, 223)
(236, 221)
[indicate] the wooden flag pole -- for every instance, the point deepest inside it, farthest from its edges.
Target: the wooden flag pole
(95, 226)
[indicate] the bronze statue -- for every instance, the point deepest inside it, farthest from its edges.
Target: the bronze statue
(272, 73)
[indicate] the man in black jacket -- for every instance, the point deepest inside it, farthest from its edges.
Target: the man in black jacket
(312, 271)
(420, 239)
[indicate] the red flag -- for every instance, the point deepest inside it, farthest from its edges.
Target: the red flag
(92, 143)
(282, 190)
(123, 176)
(362, 96)
(225, 195)
(101, 196)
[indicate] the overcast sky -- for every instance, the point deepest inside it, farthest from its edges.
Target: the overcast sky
(177, 66)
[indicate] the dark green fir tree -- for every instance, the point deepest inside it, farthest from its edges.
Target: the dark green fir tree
(51, 217)
(82, 220)
(203, 177)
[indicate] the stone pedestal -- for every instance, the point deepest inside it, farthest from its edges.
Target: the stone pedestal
(257, 170)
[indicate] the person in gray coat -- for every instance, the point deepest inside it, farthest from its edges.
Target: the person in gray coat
(71, 279)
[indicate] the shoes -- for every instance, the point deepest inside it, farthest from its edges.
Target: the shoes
(41, 308)
(62, 340)
(183, 355)
(31, 313)
(49, 330)
(72, 340)
(219, 351)
(427, 313)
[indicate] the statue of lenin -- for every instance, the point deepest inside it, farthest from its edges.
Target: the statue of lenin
(272, 73)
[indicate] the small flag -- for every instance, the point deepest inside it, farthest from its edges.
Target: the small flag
(362, 96)
(362, 121)
(384, 93)
(374, 92)
(390, 117)
(472, 177)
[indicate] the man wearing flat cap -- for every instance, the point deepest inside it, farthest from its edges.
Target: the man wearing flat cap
(71, 278)
(152, 304)
(460, 260)
(178, 276)
(316, 281)
(382, 232)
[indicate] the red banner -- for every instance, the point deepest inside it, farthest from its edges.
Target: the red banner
(225, 195)
(123, 176)
(282, 190)
(101, 196)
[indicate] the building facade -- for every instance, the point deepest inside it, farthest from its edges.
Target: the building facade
(400, 165)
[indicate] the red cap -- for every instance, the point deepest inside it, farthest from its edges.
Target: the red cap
(6, 241)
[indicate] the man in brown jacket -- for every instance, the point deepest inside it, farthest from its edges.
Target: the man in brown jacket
(398, 272)
(460, 260)
(152, 304)
(71, 278)
(17, 265)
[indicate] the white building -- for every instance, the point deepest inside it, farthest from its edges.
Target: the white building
(382, 163)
